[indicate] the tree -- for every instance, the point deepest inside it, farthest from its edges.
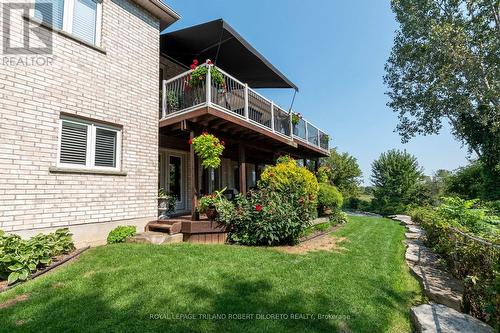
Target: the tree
(467, 182)
(343, 172)
(396, 176)
(444, 66)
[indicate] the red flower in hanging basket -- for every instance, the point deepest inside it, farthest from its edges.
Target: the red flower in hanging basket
(195, 61)
(204, 133)
(193, 66)
(258, 208)
(190, 141)
(223, 143)
(209, 61)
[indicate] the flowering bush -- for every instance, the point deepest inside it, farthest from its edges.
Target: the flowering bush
(199, 74)
(209, 148)
(264, 218)
(289, 179)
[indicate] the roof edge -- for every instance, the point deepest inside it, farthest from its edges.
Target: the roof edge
(160, 10)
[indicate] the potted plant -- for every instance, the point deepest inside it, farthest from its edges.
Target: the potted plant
(199, 74)
(296, 117)
(208, 204)
(166, 203)
(209, 149)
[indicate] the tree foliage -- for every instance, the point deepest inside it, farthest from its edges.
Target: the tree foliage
(343, 172)
(444, 65)
(396, 177)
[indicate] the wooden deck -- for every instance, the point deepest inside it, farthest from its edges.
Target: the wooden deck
(203, 231)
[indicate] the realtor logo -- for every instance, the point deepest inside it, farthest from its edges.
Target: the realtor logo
(33, 38)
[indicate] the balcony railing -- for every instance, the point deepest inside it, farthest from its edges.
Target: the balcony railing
(181, 95)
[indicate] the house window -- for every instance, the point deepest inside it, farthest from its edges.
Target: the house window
(81, 18)
(89, 145)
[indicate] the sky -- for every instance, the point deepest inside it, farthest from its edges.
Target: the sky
(334, 51)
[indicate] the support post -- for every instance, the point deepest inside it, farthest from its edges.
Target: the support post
(242, 169)
(164, 99)
(193, 174)
(209, 85)
(291, 124)
(272, 116)
(246, 101)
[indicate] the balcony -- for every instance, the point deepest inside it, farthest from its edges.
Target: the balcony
(235, 98)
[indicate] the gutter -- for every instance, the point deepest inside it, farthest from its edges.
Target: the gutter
(161, 10)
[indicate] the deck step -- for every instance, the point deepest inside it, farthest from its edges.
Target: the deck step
(438, 318)
(170, 227)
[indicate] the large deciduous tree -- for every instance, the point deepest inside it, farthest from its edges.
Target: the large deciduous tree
(396, 178)
(343, 172)
(444, 65)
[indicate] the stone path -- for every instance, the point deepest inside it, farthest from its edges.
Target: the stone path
(444, 291)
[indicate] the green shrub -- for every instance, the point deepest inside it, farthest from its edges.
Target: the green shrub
(338, 217)
(474, 262)
(18, 257)
(329, 197)
(290, 180)
(121, 233)
(265, 218)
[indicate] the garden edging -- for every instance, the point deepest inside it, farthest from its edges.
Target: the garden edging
(445, 292)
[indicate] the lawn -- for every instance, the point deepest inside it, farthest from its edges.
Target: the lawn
(363, 286)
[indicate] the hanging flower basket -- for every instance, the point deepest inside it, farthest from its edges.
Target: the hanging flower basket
(209, 148)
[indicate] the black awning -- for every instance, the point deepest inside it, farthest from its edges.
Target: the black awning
(235, 55)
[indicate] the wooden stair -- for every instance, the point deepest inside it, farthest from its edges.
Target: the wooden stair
(170, 227)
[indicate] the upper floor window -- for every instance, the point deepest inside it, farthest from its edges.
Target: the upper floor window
(89, 145)
(81, 18)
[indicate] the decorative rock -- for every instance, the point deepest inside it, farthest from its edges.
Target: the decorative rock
(404, 219)
(439, 286)
(414, 235)
(419, 254)
(442, 319)
(415, 229)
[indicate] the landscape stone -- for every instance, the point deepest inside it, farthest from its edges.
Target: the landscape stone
(419, 254)
(438, 285)
(439, 318)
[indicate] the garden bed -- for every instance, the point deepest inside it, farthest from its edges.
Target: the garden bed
(56, 261)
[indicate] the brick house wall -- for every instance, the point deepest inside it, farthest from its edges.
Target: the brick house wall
(118, 84)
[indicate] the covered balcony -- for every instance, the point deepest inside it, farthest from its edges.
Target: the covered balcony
(232, 100)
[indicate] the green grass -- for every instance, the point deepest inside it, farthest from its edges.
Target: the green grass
(116, 288)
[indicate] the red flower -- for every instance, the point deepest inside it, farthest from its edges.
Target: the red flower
(258, 208)
(190, 141)
(195, 61)
(209, 61)
(223, 143)
(193, 66)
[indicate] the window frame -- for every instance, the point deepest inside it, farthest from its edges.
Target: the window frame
(92, 126)
(67, 21)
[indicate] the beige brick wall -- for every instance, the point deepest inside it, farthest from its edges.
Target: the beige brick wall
(119, 86)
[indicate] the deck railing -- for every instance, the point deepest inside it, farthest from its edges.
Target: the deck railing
(179, 95)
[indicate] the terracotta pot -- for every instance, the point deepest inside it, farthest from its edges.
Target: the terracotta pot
(211, 213)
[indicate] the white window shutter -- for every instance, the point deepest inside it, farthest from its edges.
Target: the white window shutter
(105, 148)
(73, 143)
(85, 20)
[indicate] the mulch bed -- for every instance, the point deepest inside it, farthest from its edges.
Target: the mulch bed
(56, 261)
